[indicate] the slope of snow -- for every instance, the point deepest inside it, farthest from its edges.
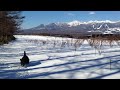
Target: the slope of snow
(74, 23)
(107, 32)
(55, 62)
(104, 21)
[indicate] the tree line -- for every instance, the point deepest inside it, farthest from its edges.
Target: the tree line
(10, 22)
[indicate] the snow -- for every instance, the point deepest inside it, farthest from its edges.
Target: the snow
(55, 62)
(107, 32)
(74, 23)
(104, 21)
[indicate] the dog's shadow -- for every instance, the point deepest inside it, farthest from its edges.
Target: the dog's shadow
(34, 63)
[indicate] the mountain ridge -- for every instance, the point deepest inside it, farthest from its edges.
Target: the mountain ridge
(104, 27)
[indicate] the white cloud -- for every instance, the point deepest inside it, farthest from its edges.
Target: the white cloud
(91, 13)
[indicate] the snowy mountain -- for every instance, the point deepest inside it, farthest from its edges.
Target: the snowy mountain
(74, 23)
(105, 21)
(76, 26)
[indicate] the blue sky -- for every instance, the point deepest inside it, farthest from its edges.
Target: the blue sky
(35, 18)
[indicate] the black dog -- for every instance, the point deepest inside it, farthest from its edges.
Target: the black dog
(24, 60)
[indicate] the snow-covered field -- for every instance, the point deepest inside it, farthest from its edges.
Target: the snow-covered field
(53, 60)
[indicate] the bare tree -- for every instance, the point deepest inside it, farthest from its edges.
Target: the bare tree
(10, 22)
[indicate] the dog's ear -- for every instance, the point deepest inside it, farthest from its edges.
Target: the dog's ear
(24, 53)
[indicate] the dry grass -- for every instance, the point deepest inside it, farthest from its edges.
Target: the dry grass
(94, 41)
